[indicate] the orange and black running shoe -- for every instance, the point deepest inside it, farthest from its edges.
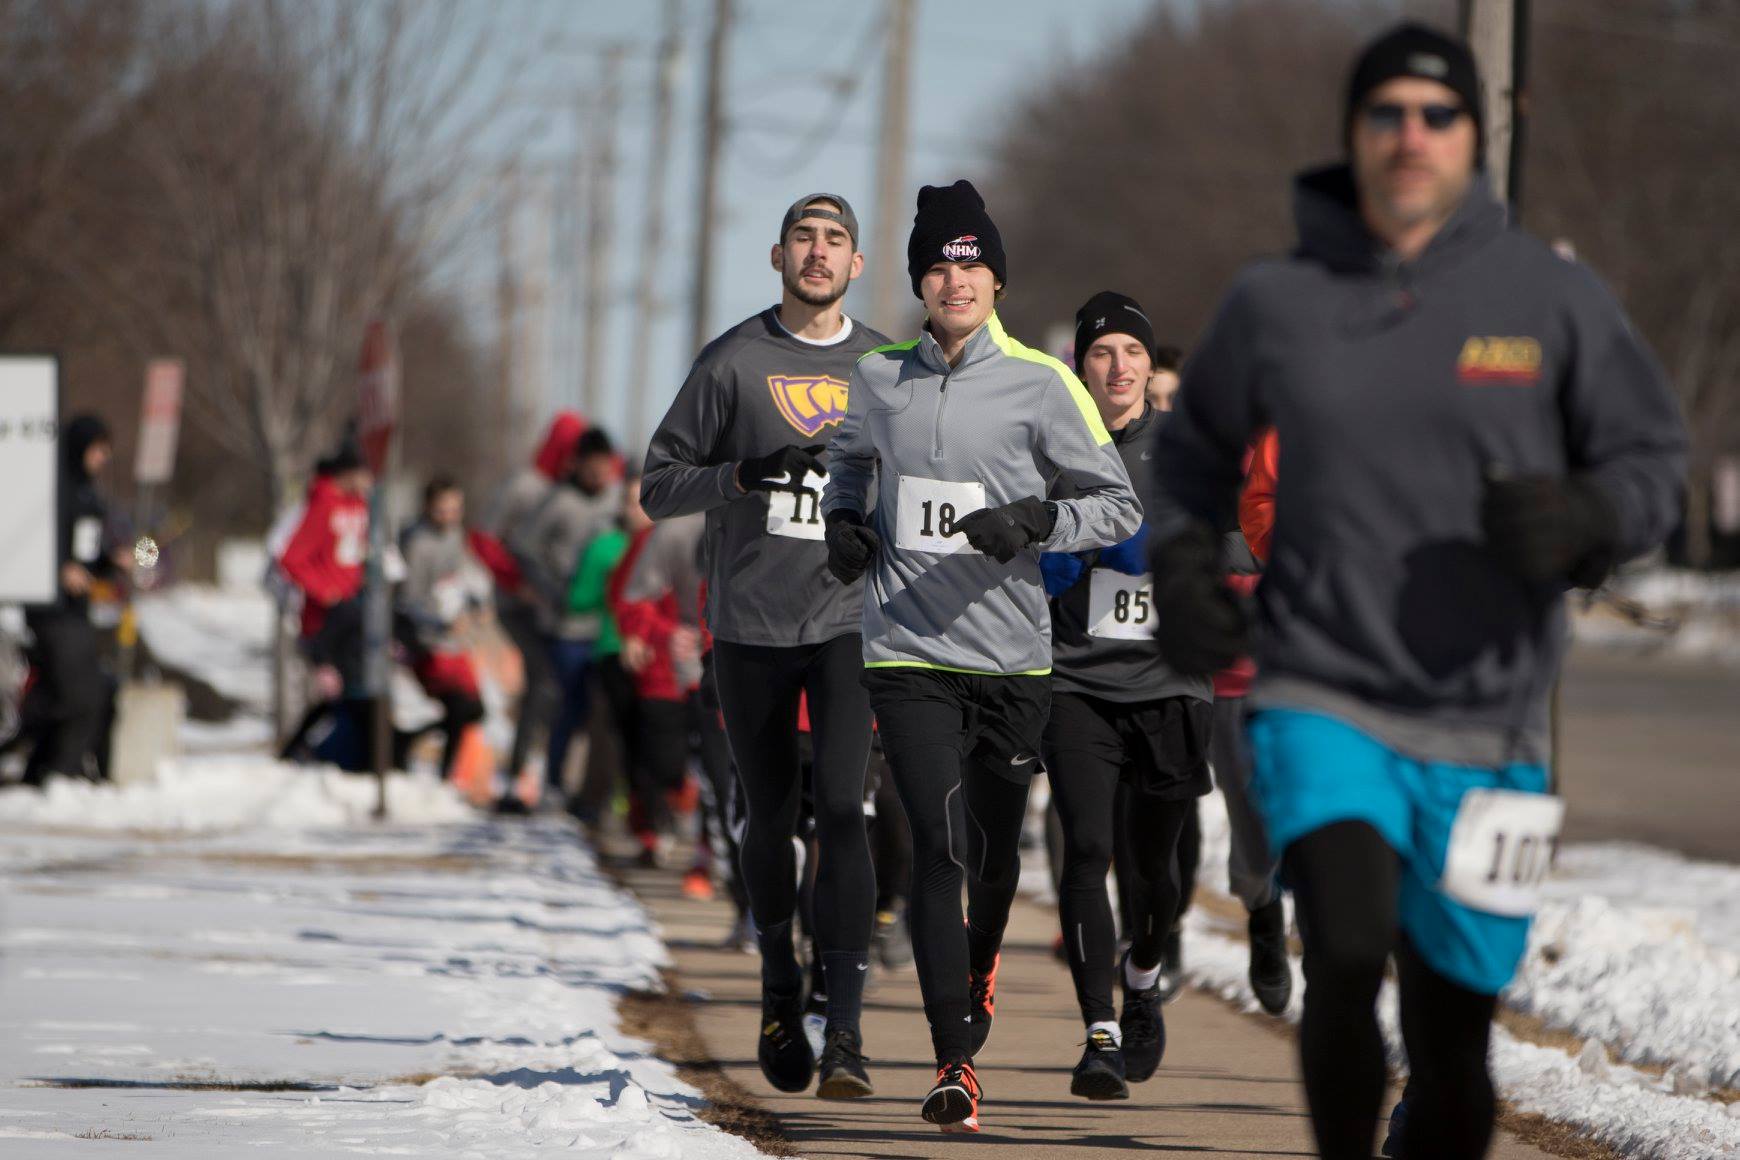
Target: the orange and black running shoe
(953, 1104)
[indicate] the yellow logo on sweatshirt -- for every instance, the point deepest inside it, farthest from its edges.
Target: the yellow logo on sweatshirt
(1495, 359)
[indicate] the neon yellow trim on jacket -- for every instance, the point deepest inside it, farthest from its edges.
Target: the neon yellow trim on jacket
(1045, 672)
(889, 348)
(1084, 402)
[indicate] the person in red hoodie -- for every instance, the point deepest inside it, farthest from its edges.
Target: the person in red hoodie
(514, 506)
(324, 560)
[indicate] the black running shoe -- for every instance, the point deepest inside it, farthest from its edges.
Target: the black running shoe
(1172, 965)
(1271, 975)
(982, 996)
(1398, 1126)
(953, 1104)
(1100, 1074)
(842, 1068)
(1144, 1028)
(783, 1052)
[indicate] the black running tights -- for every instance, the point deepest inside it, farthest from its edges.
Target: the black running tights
(1346, 882)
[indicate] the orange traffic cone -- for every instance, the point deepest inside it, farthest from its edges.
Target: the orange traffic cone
(473, 771)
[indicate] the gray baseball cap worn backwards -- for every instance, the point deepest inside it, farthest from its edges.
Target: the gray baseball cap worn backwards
(798, 211)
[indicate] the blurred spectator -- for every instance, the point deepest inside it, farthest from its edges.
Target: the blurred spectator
(442, 584)
(72, 696)
(1163, 379)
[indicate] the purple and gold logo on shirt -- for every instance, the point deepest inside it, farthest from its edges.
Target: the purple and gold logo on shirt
(809, 402)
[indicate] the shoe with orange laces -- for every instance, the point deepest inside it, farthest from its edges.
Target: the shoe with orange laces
(953, 1104)
(982, 992)
(698, 884)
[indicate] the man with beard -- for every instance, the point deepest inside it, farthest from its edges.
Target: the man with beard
(1471, 428)
(743, 443)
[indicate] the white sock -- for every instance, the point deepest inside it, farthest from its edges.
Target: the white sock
(1110, 1027)
(1138, 979)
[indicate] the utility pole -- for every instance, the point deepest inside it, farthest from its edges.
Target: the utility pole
(891, 192)
(1489, 26)
(712, 136)
(653, 219)
(507, 306)
(601, 196)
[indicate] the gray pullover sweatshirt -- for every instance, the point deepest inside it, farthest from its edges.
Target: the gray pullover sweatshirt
(754, 389)
(938, 443)
(1396, 388)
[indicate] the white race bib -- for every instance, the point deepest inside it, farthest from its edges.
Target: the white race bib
(1120, 606)
(797, 514)
(87, 539)
(928, 511)
(1501, 847)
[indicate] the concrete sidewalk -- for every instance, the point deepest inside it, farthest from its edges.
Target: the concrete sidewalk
(1228, 1085)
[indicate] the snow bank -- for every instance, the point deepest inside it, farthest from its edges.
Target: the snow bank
(209, 793)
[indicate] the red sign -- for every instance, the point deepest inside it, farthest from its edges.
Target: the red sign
(160, 422)
(378, 393)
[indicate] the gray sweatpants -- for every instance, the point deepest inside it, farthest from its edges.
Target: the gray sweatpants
(1250, 867)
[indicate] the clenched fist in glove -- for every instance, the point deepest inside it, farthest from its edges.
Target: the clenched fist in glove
(1550, 529)
(763, 473)
(1001, 532)
(851, 545)
(1201, 626)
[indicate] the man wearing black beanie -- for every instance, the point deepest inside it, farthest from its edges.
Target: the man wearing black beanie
(957, 435)
(1469, 427)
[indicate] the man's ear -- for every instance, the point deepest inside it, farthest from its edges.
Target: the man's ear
(856, 268)
(777, 258)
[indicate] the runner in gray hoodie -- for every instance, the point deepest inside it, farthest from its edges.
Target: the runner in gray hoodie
(962, 431)
(1469, 426)
(742, 443)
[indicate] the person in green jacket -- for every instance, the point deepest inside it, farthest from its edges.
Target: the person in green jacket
(589, 601)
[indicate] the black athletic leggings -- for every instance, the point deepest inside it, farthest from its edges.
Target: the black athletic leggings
(1090, 766)
(1346, 883)
(759, 688)
(959, 744)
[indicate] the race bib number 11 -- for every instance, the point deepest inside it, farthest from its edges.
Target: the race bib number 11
(1501, 847)
(928, 511)
(797, 514)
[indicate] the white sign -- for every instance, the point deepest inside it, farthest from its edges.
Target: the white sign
(929, 509)
(160, 424)
(29, 478)
(797, 514)
(1501, 847)
(1120, 606)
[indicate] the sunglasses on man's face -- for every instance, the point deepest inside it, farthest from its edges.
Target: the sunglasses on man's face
(1387, 117)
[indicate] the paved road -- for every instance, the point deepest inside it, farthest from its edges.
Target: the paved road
(1228, 1086)
(1651, 752)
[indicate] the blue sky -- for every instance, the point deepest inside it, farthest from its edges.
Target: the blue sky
(789, 135)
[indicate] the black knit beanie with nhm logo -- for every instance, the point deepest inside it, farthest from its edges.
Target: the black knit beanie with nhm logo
(952, 226)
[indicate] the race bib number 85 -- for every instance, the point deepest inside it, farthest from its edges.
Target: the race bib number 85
(1501, 847)
(929, 509)
(797, 514)
(1120, 606)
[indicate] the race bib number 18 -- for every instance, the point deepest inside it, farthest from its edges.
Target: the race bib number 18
(797, 514)
(1501, 847)
(1120, 606)
(928, 511)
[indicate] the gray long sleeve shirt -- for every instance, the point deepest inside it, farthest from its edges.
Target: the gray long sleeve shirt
(1396, 388)
(939, 442)
(754, 389)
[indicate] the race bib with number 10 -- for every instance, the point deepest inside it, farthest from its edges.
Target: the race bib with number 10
(797, 514)
(929, 509)
(1501, 847)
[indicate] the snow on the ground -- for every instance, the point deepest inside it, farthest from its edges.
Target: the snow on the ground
(1701, 611)
(1637, 950)
(440, 984)
(222, 636)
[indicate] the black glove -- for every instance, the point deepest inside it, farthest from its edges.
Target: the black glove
(1201, 626)
(761, 474)
(1003, 531)
(1550, 529)
(851, 545)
